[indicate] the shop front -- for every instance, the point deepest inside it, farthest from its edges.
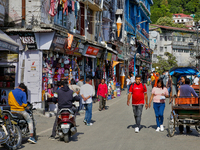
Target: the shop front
(9, 51)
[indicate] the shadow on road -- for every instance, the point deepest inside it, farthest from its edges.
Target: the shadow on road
(153, 126)
(134, 126)
(75, 137)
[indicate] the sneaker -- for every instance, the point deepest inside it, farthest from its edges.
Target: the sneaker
(81, 111)
(32, 140)
(161, 128)
(85, 122)
(89, 124)
(52, 137)
(158, 129)
(136, 130)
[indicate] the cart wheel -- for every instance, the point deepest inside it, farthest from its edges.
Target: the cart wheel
(171, 127)
(197, 128)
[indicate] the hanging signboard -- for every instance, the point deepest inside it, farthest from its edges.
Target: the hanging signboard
(58, 43)
(109, 56)
(92, 51)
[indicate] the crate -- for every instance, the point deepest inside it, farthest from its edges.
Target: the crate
(195, 87)
(189, 100)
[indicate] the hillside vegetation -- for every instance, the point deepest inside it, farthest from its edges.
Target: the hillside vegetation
(162, 8)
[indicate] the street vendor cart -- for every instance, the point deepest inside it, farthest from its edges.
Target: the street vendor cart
(184, 110)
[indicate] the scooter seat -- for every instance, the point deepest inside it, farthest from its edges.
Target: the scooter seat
(19, 116)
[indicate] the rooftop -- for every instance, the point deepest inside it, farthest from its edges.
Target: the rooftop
(182, 15)
(170, 28)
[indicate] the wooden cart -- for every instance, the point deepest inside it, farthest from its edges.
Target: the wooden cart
(184, 110)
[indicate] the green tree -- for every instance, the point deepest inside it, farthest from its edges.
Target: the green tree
(197, 17)
(167, 21)
(165, 64)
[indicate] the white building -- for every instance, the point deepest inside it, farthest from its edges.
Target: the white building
(183, 19)
(175, 41)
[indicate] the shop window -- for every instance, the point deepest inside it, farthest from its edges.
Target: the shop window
(165, 49)
(90, 20)
(78, 21)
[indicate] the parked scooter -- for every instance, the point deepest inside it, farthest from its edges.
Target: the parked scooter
(10, 134)
(66, 125)
(23, 124)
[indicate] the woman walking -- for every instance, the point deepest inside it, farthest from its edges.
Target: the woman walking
(102, 93)
(158, 96)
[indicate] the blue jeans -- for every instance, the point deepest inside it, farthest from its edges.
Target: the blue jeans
(88, 112)
(80, 104)
(159, 110)
(169, 90)
(128, 86)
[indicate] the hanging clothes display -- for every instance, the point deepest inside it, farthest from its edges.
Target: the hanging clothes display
(53, 8)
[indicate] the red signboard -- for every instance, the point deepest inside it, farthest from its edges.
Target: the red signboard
(92, 51)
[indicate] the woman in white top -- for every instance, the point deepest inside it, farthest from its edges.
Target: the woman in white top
(128, 83)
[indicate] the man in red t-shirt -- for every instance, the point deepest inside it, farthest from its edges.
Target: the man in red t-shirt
(139, 93)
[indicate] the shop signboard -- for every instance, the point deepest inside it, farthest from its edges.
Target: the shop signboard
(29, 40)
(58, 43)
(92, 51)
(109, 56)
(6, 57)
(114, 57)
(142, 39)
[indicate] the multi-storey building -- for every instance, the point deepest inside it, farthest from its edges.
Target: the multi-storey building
(180, 42)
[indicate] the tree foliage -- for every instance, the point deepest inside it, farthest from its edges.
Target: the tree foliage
(167, 21)
(165, 64)
(162, 8)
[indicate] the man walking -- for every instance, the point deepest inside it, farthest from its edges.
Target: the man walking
(132, 78)
(86, 92)
(139, 93)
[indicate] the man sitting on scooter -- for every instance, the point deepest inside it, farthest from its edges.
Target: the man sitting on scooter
(65, 98)
(17, 99)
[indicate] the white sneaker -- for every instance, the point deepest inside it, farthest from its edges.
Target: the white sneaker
(136, 130)
(161, 128)
(89, 124)
(158, 129)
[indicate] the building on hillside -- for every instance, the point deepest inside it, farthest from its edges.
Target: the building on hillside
(181, 18)
(180, 42)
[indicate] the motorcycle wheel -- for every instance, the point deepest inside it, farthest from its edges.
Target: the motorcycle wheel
(15, 139)
(66, 138)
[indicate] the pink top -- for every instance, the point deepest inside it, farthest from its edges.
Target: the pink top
(102, 90)
(158, 93)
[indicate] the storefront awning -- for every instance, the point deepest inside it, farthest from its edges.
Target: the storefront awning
(7, 43)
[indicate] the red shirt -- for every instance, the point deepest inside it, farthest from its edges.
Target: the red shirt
(102, 90)
(137, 93)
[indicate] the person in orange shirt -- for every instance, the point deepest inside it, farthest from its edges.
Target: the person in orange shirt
(156, 78)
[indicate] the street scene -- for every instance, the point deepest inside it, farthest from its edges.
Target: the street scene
(99, 74)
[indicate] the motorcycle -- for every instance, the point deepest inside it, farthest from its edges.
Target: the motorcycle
(10, 134)
(66, 125)
(23, 124)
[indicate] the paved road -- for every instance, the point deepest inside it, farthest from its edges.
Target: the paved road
(113, 129)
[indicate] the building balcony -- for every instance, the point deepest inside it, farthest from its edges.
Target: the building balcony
(95, 5)
(147, 12)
